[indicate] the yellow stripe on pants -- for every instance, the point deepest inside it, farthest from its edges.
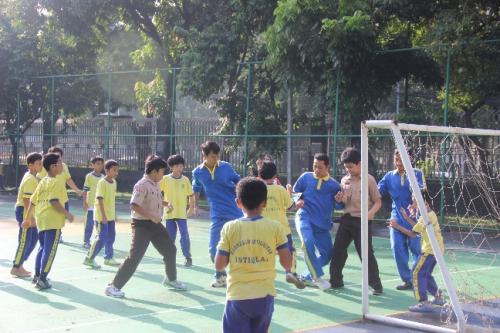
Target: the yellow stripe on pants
(419, 265)
(22, 245)
(53, 251)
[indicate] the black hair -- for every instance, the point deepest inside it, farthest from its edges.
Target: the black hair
(210, 147)
(350, 155)
(55, 149)
(251, 192)
(33, 157)
(322, 157)
(153, 163)
(109, 164)
(50, 159)
(268, 170)
(175, 160)
(409, 151)
(427, 197)
(95, 159)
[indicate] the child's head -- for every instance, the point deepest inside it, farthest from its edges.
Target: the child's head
(351, 158)
(97, 163)
(427, 199)
(112, 168)
(262, 159)
(398, 162)
(268, 171)
(210, 151)
(321, 165)
(155, 167)
(56, 150)
(251, 194)
(176, 164)
(34, 162)
(53, 164)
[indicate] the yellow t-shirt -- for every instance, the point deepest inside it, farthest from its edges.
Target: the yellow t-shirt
(251, 245)
(107, 191)
(90, 186)
(420, 228)
(176, 191)
(62, 178)
(26, 189)
(278, 201)
(47, 217)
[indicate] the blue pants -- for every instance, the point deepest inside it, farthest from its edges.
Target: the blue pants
(105, 237)
(27, 239)
(248, 316)
(89, 226)
(215, 229)
(49, 240)
(401, 245)
(423, 281)
(313, 238)
(171, 226)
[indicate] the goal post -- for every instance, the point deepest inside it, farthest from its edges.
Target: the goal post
(396, 129)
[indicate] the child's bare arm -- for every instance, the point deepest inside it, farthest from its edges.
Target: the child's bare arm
(406, 217)
(286, 259)
(29, 216)
(60, 208)
(73, 186)
(394, 224)
(221, 261)
(102, 210)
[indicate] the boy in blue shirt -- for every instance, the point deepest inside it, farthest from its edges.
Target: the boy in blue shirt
(396, 184)
(314, 218)
(218, 179)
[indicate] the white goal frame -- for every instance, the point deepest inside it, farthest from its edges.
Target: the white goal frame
(396, 128)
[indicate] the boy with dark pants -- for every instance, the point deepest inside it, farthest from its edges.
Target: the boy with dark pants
(147, 208)
(28, 236)
(89, 187)
(249, 245)
(350, 223)
(47, 204)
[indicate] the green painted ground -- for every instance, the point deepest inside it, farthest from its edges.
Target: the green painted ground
(77, 303)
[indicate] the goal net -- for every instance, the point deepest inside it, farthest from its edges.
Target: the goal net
(461, 168)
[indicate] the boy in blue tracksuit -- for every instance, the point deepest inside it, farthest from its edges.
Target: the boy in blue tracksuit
(396, 184)
(218, 179)
(314, 218)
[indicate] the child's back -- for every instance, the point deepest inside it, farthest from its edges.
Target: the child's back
(278, 201)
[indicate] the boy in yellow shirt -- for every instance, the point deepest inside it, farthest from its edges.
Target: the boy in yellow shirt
(248, 245)
(105, 217)
(176, 190)
(50, 214)
(28, 236)
(89, 187)
(279, 200)
(423, 281)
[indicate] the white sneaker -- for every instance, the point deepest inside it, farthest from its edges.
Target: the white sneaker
(111, 262)
(321, 283)
(112, 291)
(176, 285)
(220, 282)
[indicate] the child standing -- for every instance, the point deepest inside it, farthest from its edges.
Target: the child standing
(423, 281)
(248, 245)
(176, 190)
(279, 200)
(89, 187)
(105, 217)
(47, 203)
(28, 236)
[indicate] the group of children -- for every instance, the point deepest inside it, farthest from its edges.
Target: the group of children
(249, 226)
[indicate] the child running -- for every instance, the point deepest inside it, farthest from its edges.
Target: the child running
(28, 236)
(176, 190)
(47, 204)
(105, 217)
(279, 200)
(89, 187)
(248, 245)
(147, 208)
(423, 281)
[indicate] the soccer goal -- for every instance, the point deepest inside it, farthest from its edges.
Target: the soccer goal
(461, 166)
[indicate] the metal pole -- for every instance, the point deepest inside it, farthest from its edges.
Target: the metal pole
(397, 98)
(18, 121)
(172, 115)
(52, 112)
(336, 124)
(364, 219)
(289, 138)
(108, 134)
(247, 115)
(445, 123)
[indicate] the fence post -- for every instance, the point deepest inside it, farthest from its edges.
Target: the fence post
(445, 123)
(289, 138)
(336, 124)
(52, 112)
(172, 115)
(247, 114)
(18, 121)
(108, 136)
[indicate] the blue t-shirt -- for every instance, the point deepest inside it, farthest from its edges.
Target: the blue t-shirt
(398, 187)
(319, 199)
(220, 188)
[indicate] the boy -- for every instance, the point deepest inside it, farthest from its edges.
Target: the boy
(248, 245)
(28, 237)
(47, 203)
(278, 202)
(396, 184)
(176, 190)
(147, 205)
(350, 223)
(89, 187)
(218, 179)
(314, 218)
(423, 281)
(105, 217)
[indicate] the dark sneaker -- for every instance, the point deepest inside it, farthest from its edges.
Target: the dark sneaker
(405, 286)
(336, 285)
(188, 262)
(295, 279)
(439, 298)
(378, 291)
(41, 284)
(34, 280)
